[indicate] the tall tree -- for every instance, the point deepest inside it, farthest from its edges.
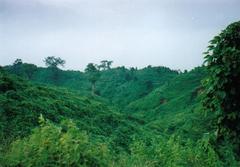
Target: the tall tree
(105, 65)
(23, 69)
(222, 86)
(17, 66)
(53, 64)
(17, 62)
(93, 75)
(109, 63)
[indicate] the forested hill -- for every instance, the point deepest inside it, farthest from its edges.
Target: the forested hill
(119, 85)
(22, 103)
(65, 127)
(121, 117)
(148, 117)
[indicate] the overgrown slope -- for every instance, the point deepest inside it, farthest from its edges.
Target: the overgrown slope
(174, 108)
(161, 126)
(119, 86)
(21, 104)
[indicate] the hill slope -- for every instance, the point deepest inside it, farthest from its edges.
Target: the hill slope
(85, 130)
(21, 104)
(119, 85)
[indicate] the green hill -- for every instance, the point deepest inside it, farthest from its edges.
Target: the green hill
(120, 85)
(182, 89)
(147, 117)
(175, 108)
(23, 102)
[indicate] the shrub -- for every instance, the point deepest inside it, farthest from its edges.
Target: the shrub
(52, 145)
(222, 90)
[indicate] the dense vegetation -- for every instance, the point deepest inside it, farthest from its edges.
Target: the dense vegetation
(222, 91)
(107, 116)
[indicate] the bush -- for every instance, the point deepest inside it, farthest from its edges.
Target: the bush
(222, 90)
(52, 145)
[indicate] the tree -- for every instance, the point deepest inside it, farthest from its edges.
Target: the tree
(105, 65)
(222, 90)
(23, 69)
(93, 75)
(17, 67)
(109, 63)
(17, 62)
(54, 62)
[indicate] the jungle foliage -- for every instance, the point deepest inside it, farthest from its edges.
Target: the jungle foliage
(222, 86)
(146, 117)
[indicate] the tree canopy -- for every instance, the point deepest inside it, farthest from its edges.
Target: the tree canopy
(93, 75)
(54, 62)
(17, 62)
(105, 65)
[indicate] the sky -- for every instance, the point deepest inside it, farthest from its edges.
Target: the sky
(133, 33)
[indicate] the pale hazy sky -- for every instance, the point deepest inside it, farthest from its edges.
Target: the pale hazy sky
(134, 33)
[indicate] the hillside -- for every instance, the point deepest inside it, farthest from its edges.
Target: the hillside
(183, 88)
(119, 86)
(108, 137)
(174, 107)
(22, 103)
(147, 117)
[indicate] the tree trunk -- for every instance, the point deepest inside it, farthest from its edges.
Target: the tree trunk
(93, 88)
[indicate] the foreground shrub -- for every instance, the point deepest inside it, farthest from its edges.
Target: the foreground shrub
(51, 145)
(222, 90)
